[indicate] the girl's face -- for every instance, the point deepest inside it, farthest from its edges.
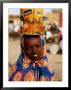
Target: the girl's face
(33, 49)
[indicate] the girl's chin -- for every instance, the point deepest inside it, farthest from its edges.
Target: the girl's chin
(35, 58)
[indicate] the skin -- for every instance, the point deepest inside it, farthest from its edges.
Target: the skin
(33, 49)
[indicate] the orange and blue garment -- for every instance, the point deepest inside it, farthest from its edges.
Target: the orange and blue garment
(26, 70)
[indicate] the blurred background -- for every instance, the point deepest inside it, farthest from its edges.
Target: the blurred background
(44, 21)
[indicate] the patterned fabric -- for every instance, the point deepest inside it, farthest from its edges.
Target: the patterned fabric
(25, 70)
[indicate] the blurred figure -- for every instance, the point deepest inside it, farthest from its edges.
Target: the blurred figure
(48, 32)
(11, 26)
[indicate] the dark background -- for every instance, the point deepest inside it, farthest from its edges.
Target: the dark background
(1, 30)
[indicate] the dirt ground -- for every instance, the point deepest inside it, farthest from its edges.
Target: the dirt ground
(55, 60)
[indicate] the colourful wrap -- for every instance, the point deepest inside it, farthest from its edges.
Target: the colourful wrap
(31, 71)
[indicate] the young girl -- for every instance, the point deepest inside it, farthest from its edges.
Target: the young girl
(32, 64)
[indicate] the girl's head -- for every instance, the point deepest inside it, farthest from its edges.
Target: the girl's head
(33, 47)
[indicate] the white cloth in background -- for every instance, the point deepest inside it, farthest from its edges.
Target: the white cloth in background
(48, 34)
(17, 28)
(54, 48)
(11, 27)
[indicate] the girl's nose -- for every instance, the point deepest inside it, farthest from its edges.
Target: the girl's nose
(34, 49)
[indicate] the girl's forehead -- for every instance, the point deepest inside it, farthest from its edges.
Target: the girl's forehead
(29, 39)
(32, 38)
(33, 41)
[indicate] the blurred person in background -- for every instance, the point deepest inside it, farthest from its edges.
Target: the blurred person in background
(48, 33)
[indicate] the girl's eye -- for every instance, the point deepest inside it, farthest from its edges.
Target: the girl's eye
(28, 48)
(31, 47)
(37, 46)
